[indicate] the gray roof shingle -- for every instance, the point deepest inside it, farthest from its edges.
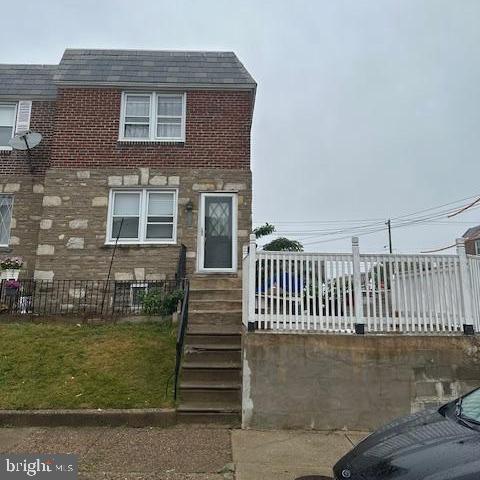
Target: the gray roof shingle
(151, 67)
(472, 233)
(27, 81)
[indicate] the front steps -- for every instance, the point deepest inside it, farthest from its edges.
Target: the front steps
(210, 384)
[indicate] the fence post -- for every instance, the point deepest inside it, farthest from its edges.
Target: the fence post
(252, 251)
(245, 261)
(357, 288)
(466, 287)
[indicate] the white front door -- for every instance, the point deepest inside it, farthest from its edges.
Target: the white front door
(217, 242)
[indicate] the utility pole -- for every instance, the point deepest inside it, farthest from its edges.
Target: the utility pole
(388, 223)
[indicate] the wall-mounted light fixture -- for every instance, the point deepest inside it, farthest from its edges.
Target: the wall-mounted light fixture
(189, 213)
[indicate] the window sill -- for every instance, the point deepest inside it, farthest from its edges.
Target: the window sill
(127, 141)
(5, 150)
(109, 245)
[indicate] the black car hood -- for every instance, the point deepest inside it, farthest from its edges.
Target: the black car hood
(423, 446)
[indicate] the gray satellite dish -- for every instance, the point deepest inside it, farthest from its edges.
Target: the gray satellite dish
(25, 141)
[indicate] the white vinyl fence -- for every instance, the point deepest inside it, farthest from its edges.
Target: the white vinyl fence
(290, 291)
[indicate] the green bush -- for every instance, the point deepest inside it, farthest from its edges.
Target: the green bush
(158, 302)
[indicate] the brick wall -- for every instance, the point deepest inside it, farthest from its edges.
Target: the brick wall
(17, 162)
(87, 129)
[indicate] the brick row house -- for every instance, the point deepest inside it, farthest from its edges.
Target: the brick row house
(149, 150)
(154, 142)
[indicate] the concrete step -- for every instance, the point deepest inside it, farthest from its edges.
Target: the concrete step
(200, 340)
(216, 330)
(211, 375)
(202, 407)
(218, 365)
(226, 419)
(211, 385)
(212, 317)
(216, 294)
(212, 347)
(214, 282)
(210, 396)
(208, 356)
(214, 305)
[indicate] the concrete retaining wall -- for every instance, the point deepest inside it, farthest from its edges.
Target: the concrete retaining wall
(327, 382)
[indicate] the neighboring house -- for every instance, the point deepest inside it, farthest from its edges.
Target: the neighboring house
(472, 240)
(152, 147)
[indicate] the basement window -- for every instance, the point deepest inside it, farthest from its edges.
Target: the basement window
(142, 216)
(153, 117)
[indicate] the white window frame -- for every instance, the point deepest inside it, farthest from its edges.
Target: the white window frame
(153, 117)
(142, 225)
(10, 224)
(144, 286)
(15, 106)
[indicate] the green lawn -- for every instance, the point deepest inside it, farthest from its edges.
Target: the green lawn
(60, 366)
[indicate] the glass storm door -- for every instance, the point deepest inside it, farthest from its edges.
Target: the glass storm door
(218, 232)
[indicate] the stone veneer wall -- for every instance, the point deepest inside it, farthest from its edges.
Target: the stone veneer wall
(27, 191)
(72, 226)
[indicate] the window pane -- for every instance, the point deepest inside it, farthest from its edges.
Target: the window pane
(159, 231)
(170, 106)
(137, 120)
(129, 227)
(174, 120)
(138, 106)
(169, 131)
(160, 204)
(6, 134)
(137, 295)
(7, 115)
(126, 204)
(160, 219)
(5, 218)
(136, 131)
(471, 405)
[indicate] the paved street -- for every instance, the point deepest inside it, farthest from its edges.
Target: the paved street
(185, 452)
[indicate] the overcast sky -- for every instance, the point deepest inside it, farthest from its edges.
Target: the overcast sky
(365, 109)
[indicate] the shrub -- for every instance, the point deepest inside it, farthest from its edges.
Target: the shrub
(158, 302)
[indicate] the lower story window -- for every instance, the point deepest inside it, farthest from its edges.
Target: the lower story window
(142, 216)
(6, 204)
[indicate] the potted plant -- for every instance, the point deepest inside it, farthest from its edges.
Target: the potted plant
(11, 288)
(10, 267)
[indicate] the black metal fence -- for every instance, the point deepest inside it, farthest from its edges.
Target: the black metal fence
(80, 297)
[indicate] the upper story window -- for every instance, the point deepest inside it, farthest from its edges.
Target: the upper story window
(142, 216)
(8, 113)
(153, 117)
(477, 247)
(6, 205)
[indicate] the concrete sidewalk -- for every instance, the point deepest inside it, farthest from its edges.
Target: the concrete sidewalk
(286, 455)
(177, 453)
(190, 452)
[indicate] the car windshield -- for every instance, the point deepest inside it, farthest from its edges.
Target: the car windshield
(469, 407)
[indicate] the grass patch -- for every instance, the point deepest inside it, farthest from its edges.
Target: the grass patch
(67, 366)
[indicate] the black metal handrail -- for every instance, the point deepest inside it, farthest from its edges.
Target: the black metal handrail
(182, 329)
(182, 265)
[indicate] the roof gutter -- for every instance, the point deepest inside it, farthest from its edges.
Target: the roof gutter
(166, 86)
